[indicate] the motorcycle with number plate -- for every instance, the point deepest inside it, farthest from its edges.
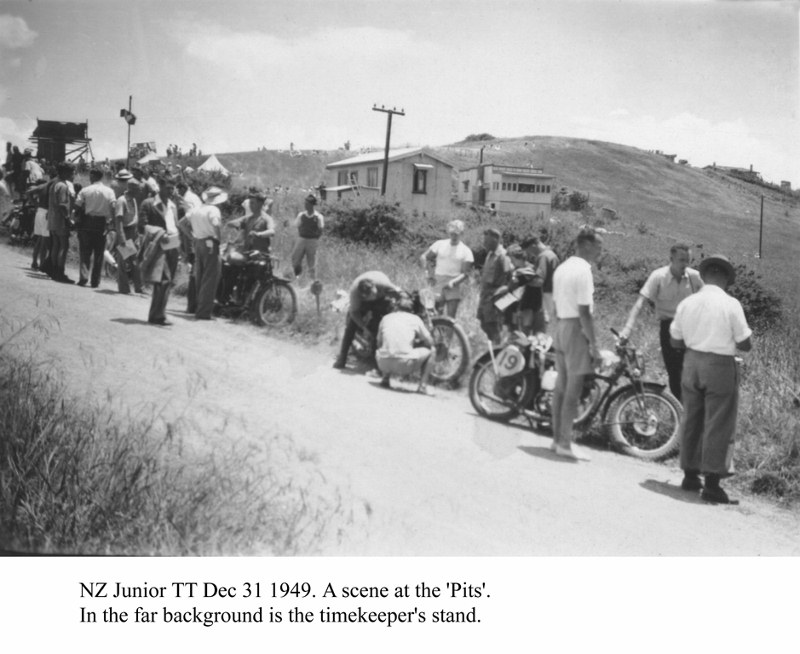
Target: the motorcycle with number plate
(641, 418)
(247, 285)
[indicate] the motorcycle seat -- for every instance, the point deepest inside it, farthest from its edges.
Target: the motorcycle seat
(235, 258)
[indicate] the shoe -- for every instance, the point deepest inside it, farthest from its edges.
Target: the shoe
(691, 482)
(385, 383)
(553, 446)
(716, 496)
(82, 282)
(338, 364)
(163, 322)
(63, 279)
(571, 453)
(205, 318)
(34, 266)
(425, 391)
(95, 285)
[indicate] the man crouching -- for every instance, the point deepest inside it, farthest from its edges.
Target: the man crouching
(401, 337)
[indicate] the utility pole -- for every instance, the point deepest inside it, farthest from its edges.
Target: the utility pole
(127, 114)
(390, 113)
(761, 226)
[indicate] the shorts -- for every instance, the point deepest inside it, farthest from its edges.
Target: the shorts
(403, 365)
(447, 294)
(571, 343)
(40, 223)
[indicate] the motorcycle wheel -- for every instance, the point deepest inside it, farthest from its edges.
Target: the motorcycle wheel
(645, 426)
(451, 351)
(498, 399)
(276, 304)
(543, 405)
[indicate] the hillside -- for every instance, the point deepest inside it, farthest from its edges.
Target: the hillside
(658, 202)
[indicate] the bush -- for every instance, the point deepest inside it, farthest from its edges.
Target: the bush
(375, 222)
(483, 136)
(762, 308)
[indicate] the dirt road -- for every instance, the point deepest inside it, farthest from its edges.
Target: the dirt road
(421, 475)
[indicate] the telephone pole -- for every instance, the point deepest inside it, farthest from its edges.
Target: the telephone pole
(390, 113)
(761, 226)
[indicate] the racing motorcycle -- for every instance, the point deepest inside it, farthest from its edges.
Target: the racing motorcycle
(248, 285)
(641, 418)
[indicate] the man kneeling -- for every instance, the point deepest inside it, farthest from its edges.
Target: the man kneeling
(401, 337)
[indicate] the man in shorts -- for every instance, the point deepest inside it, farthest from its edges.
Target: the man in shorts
(574, 338)
(404, 345)
(453, 261)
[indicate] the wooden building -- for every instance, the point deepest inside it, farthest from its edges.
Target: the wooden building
(511, 189)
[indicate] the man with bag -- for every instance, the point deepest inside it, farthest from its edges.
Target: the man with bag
(126, 224)
(94, 209)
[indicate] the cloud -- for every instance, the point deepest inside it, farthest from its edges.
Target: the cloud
(15, 33)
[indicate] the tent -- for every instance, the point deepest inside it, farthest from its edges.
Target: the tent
(152, 156)
(212, 164)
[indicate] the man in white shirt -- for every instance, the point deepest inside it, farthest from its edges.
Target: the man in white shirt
(126, 226)
(664, 289)
(711, 326)
(574, 338)
(453, 261)
(206, 228)
(404, 345)
(95, 205)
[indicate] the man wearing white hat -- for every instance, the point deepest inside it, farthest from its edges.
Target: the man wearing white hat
(711, 326)
(206, 228)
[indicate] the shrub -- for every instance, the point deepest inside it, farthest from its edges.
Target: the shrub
(483, 136)
(375, 222)
(762, 308)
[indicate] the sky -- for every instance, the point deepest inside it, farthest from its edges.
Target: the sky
(709, 81)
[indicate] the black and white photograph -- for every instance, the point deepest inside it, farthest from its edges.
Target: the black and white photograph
(317, 317)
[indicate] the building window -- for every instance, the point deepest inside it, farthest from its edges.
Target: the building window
(515, 187)
(548, 189)
(496, 186)
(372, 177)
(527, 188)
(466, 185)
(341, 178)
(420, 181)
(354, 177)
(504, 186)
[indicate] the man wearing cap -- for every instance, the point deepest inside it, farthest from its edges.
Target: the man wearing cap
(205, 223)
(158, 252)
(711, 326)
(310, 224)
(59, 209)
(95, 208)
(574, 338)
(126, 225)
(495, 273)
(453, 262)
(665, 288)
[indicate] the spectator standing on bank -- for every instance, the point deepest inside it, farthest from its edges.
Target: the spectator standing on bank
(711, 325)
(95, 209)
(452, 262)
(574, 338)
(665, 288)
(310, 224)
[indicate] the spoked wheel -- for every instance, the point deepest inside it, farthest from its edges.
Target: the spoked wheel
(645, 425)
(451, 351)
(498, 398)
(276, 304)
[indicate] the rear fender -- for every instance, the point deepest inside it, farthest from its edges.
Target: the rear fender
(612, 397)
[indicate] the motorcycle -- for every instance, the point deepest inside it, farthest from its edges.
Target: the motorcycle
(248, 285)
(641, 418)
(451, 348)
(20, 223)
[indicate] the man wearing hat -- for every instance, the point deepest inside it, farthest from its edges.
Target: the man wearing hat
(495, 273)
(711, 326)
(59, 210)
(310, 224)
(205, 223)
(257, 225)
(664, 289)
(126, 225)
(95, 206)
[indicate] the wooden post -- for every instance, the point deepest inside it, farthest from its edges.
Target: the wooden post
(128, 151)
(390, 112)
(761, 226)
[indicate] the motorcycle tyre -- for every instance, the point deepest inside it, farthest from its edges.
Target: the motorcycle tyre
(265, 317)
(615, 413)
(512, 408)
(451, 376)
(585, 408)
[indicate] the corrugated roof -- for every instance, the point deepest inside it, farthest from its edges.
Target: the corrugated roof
(377, 156)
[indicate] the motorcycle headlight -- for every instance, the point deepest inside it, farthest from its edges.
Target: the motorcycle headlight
(638, 362)
(607, 362)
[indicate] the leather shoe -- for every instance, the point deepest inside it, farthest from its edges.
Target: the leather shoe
(161, 323)
(692, 483)
(338, 364)
(716, 496)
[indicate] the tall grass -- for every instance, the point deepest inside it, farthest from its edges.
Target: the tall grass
(86, 480)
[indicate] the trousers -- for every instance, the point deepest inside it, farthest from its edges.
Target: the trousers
(673, 359)
(207, 268)
(128, 269)
(710, 385)
(91, 245)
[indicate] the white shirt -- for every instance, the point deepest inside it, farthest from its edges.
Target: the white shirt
(190, 200)
(397, 333)
(665, 291)
(34, 170)
(710, 321)
(573, 286)
(206, 221)
(450, 258)
(97, 200)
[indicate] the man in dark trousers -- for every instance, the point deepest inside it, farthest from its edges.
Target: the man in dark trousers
(206, 228)
(59, 210)
(711, 326)
(159, 250)
(95, 206)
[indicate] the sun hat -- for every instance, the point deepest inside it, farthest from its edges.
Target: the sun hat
(214, 195)
(123, 175)
(721, 262)
(311, 198)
